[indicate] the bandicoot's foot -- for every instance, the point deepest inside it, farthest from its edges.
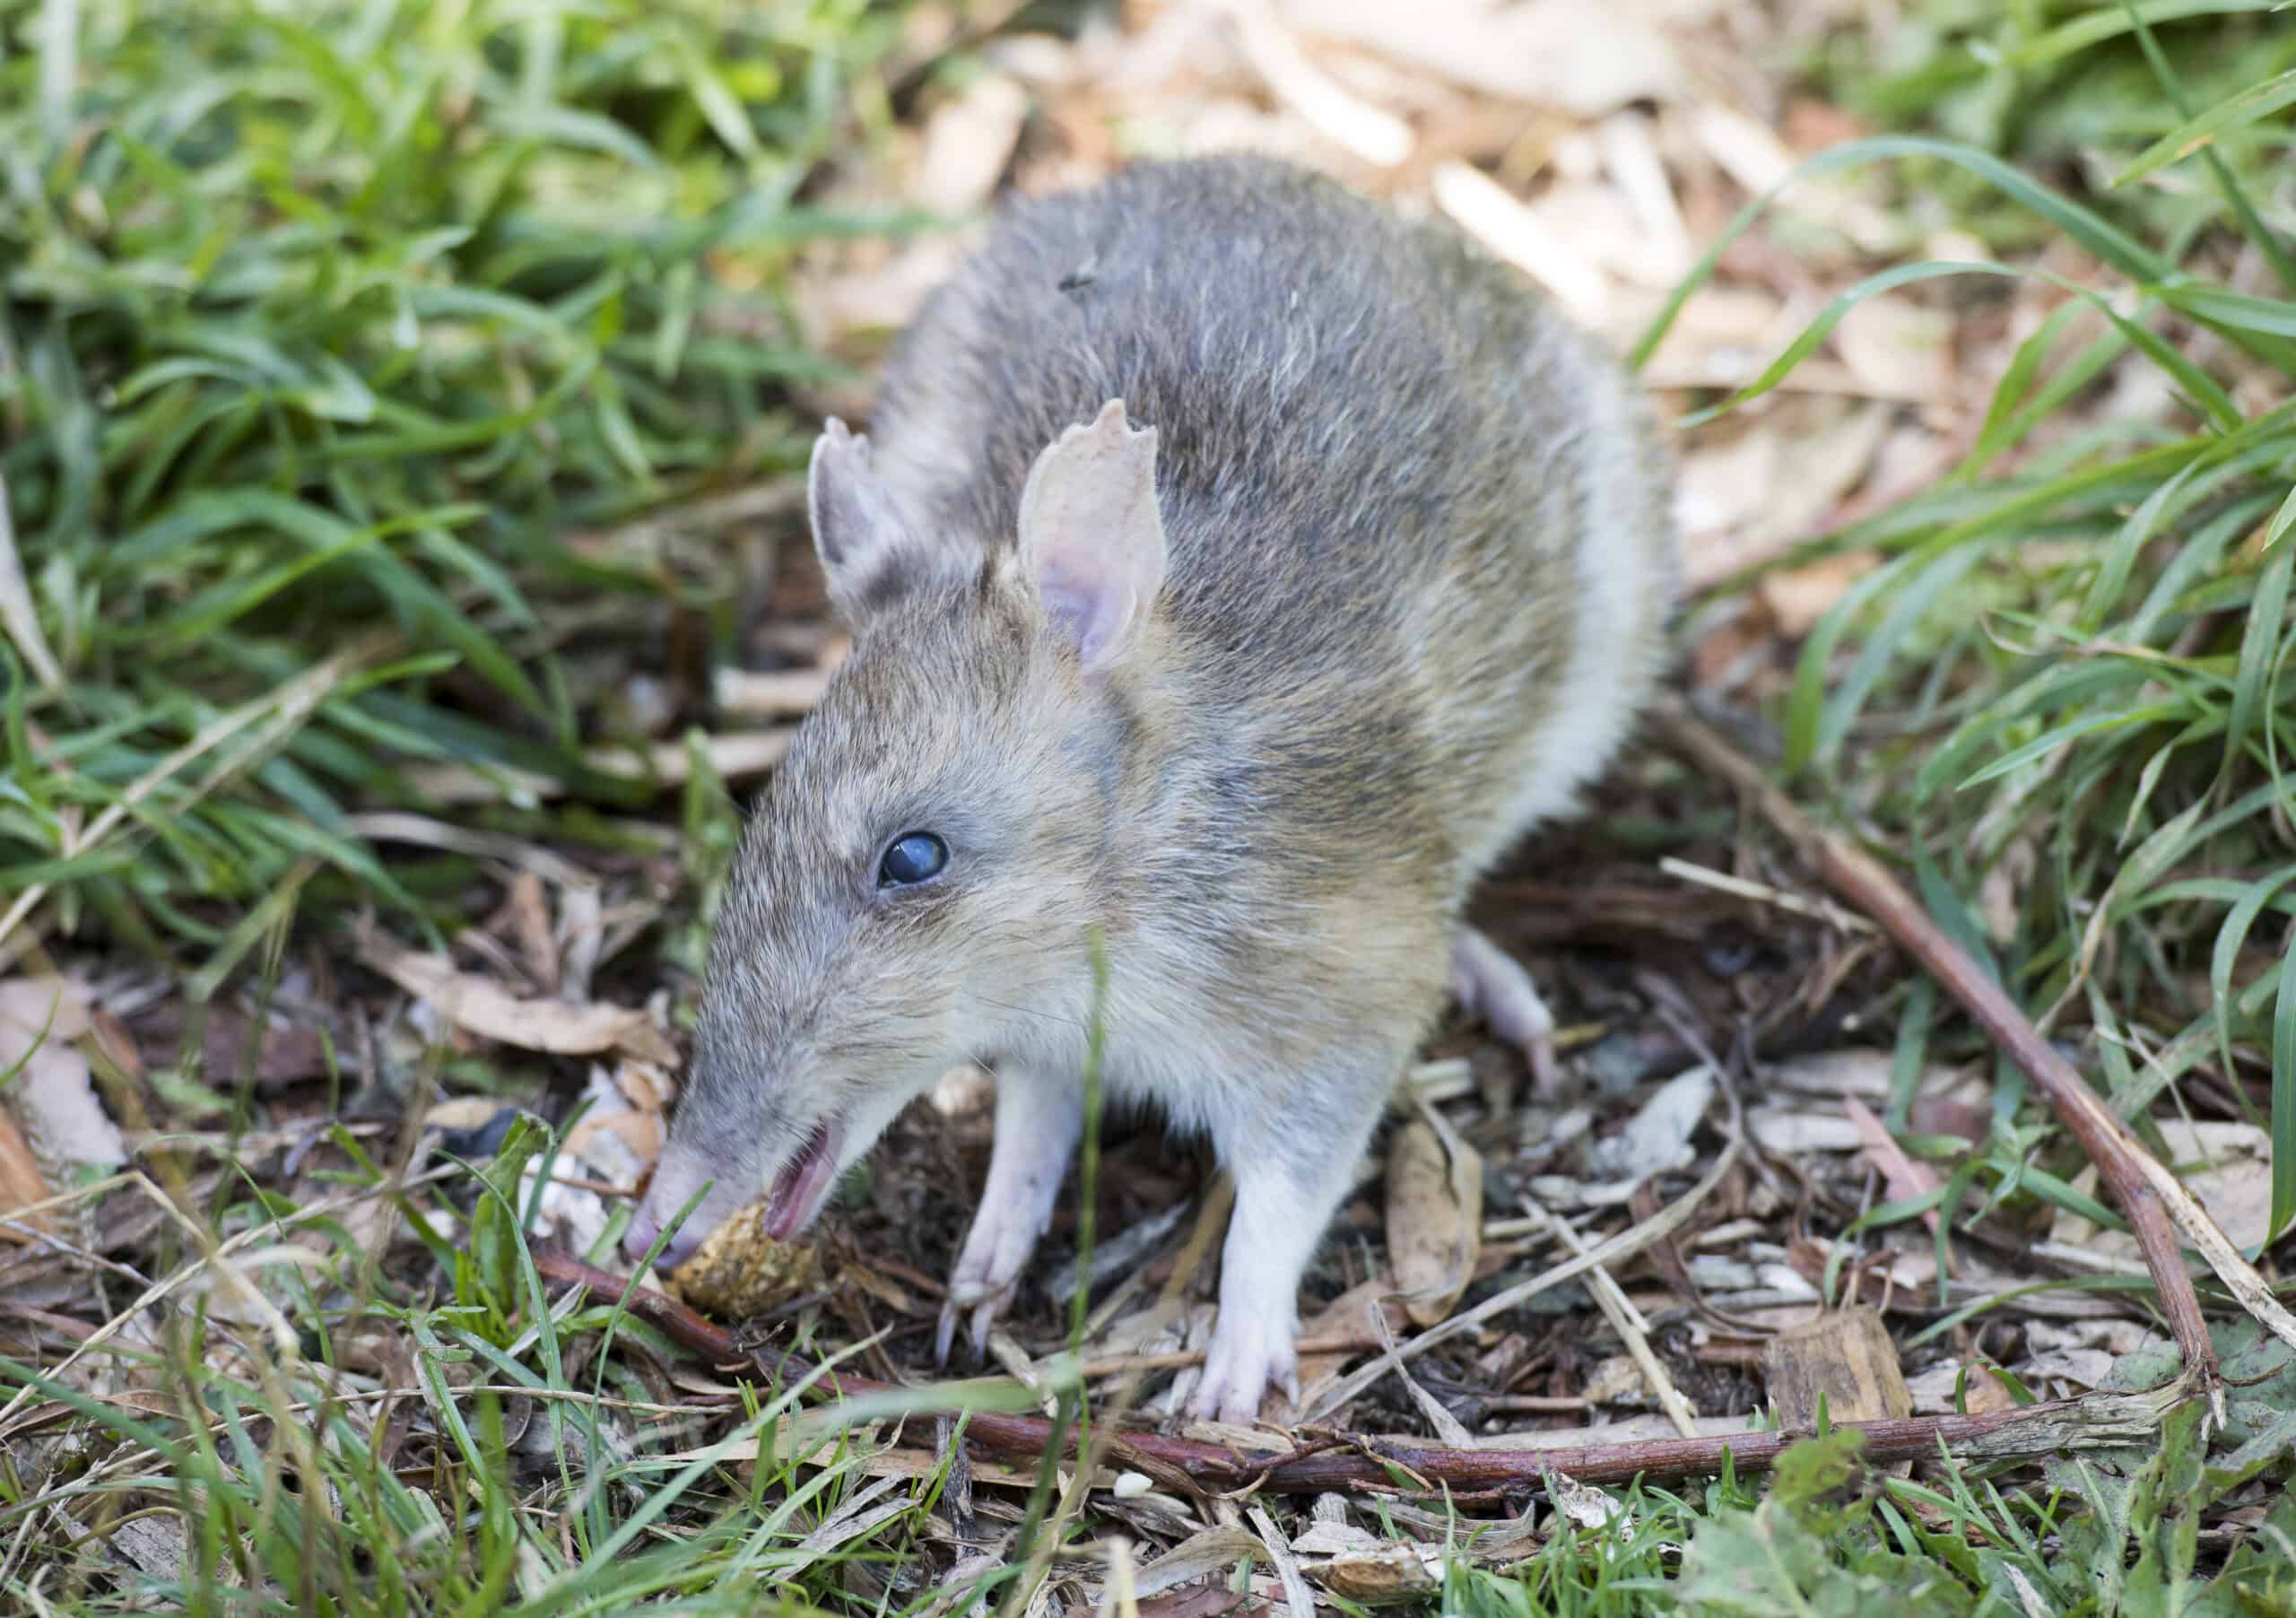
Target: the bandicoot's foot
(1490, 982)
(1004, 1231)
(1251, 1352)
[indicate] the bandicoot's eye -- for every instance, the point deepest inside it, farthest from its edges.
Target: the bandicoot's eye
(914, 856)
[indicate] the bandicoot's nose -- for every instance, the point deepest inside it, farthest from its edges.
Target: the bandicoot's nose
(676, 1178)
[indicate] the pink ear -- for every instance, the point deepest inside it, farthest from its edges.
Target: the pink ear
(867, 549)
(1092, 539)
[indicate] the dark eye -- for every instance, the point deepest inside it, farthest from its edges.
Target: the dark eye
(914, 856)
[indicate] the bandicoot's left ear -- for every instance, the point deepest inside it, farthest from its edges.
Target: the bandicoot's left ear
(1092, 538)
(870, 553)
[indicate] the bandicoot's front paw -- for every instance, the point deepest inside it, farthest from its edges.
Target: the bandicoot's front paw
(1251, 1352)
(988, 1272)
(984, 1307)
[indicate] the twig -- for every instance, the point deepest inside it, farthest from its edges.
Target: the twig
(2146, 1191)
(1722, 882)
(2093, 1420)
(1627, 1321)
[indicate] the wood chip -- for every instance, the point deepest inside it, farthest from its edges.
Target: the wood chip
(1844, 1357)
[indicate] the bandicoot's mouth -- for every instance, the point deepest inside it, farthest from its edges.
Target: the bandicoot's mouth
(802, 1184)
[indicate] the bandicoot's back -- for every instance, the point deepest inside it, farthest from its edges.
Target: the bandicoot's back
(1397, 491)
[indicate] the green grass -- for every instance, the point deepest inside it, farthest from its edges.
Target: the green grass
(322, 328)
(2109, 704)
(326, 321)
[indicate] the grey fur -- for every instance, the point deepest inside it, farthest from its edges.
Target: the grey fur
(1419, 570)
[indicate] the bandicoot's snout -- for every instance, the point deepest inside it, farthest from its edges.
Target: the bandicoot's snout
(680, 1174)
(795, 1195)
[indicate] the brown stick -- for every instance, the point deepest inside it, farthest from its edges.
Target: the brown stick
(1370, 1464)
(1867, 883)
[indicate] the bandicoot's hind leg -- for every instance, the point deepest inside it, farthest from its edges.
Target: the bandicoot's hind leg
(1493, 984)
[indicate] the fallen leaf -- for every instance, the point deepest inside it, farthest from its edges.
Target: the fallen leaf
(1337, 1539)
(1904, 1176)
(53, 1094)
(1352, 1316)
(1371, 132)
(1896, 348)
(2226, 1164)
(1799, 597)
(482, 1006)
(967, 142)
(1395, 1573)
(1515, 232)
(1434, 1219)
(21, 1184)
(2081, 1368)
(231, 1046)
(1931, 1392)
(1792, 1130)
(529, 905)
(1582, 56)
(1657, 1138)
(1585, 1504)
(774, 694)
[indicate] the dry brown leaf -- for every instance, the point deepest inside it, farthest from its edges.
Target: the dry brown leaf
(21, 1184)
(1816, 453)
(777, 695)
(54, 1094)
(1371, 132)
(530, 922)
(1796, 598)
(1395, 1573)
(1657, 1139)
(1933, 1391)
(1794, 1130)
(1586, 57)
(1586, 1505)
(1434, 1219)
(2225, 1164)
(967, 142)
(482, 1006)
(1904, 1176)
(1515, 232)
(1897, 348)
(1351, 1316)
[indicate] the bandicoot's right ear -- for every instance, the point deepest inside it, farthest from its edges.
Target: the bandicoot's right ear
(869, 552)
(1091, 536)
